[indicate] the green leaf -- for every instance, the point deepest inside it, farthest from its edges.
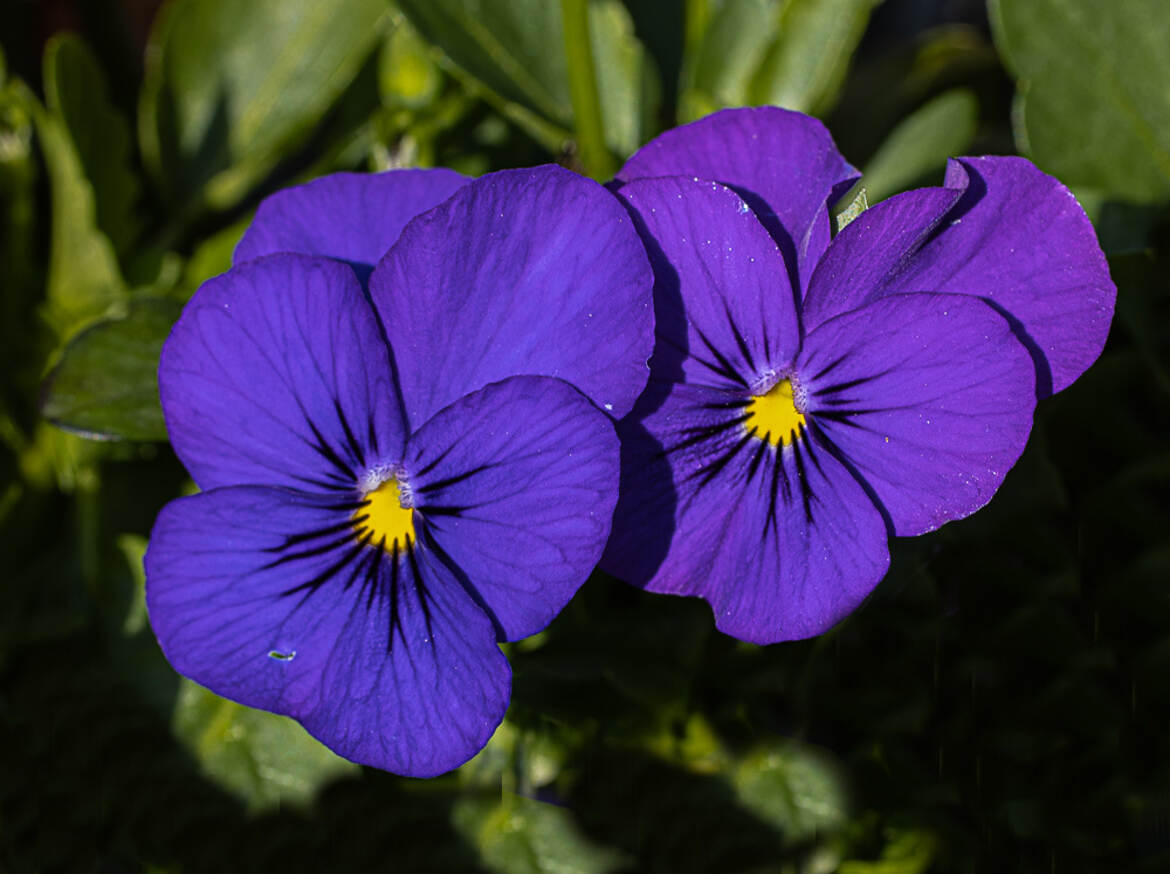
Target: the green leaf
(76, 94)
(106, 384)
(84, 281)
(909, 851)
(736, 37)
(407, 73)
(921, 143)
(231, 88)
(263, 758)
(1093, 101)
(806, 64)
(516, 50)
(517, 835)
(794, 787)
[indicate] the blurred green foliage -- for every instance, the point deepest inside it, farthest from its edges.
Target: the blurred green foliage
(999, 704)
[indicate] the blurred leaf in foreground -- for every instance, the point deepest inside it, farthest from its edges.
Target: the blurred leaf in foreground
(106, 384)
(261, 757)
(230, 88)
(1093, 105)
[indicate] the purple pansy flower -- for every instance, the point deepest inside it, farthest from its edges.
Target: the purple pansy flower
(811, 396)
(396, 477)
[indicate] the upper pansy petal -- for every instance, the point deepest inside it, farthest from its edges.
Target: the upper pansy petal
(264, 596)
(783, 163)
(354, 217)
(782, 542)
(516, 485)
(858, 264)
(724, 310)
(536, 272)
(928, 396)
(277, 374)
(1018, 238)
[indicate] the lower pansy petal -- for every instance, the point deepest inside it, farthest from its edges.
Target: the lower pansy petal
(277, 374)
(1019, 239)
(928, 396)
(353, 217)
(516, 485)
(781, 540)
(271, 598)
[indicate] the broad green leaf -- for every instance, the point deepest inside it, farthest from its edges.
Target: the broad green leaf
(806, 64)
(263, 758)
(517, 51)
(921, 143)
(84, 281)
(909, 851)
(517, 835)
(735, 38)
(1093, 101)
(795, 787)
(231, 88)
(106, 384)
(76, 94)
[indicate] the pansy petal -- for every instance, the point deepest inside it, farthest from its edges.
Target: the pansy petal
(522, 272)
(724, 311)
(516, 484)
(873, 247)
(783, 163)
(1019, 239)
(928, 396)
(277, 374)
(257, 594)
(783, 543)
(355, 217)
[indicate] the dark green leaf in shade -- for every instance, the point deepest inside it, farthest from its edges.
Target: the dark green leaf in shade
(231, 88)
(518, 835)
(921, 143)
(516, 50)
(77, 95)
(84, 281)
(1093, 101)
(106, 384)
(263, 758)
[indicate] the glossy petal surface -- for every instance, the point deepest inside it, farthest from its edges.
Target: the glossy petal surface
(783, 163)
(277, 374)
(517, 484)
(871, 249)
(928, 396)
(523, 272)
(263, 596)
(355, 217)
(782, 543)
(724, 311)
(1018, 238)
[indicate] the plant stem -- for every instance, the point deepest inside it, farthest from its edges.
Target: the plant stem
(595, 156)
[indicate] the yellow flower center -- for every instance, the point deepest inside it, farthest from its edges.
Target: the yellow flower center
(774, 416)
(383, 519)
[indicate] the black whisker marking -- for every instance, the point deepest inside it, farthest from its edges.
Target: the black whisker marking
(758, 457)
(316, 582)
(294, 539)
(320, 549)
(421, 589)
(452, 480)
(704, 432)
(710, 471)
(327, 452)
(740, 341)
(802, 482)
(354, 447)
(725, 368)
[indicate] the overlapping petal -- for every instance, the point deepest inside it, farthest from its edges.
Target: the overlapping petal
(535, 272)
(517, 484)
(928, 396)
(783, 163)
(872, 248)
(783, 543)
(264, 596)
(277, 374)
(1018, 238)
(724, 313)
(355, 217)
